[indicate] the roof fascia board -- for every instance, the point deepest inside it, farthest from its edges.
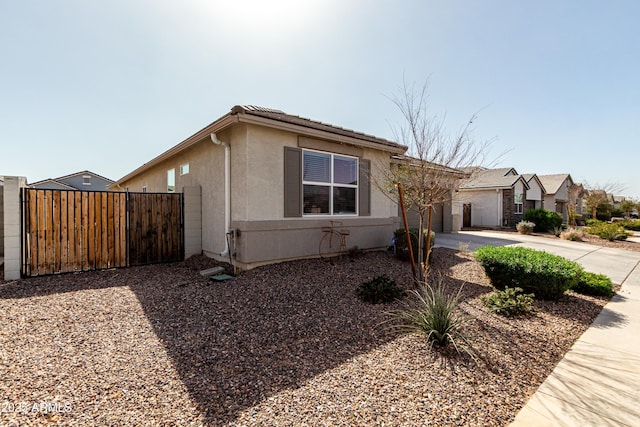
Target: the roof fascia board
(316, 133)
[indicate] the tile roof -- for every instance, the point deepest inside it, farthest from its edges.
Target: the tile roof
(553, 182)
(491, 178)
(281, 116)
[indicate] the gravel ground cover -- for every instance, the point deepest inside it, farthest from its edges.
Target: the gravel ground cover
(282, 345)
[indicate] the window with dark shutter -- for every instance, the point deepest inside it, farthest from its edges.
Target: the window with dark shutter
(292, 182)
(319, 183)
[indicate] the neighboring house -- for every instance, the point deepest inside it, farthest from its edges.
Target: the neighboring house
(535, 194)
(85, 180)
(271, 181)
(557, 194)
(617, 200)
(443, 219)
(492, 198)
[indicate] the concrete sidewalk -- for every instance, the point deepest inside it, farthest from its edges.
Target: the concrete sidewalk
(597, 383)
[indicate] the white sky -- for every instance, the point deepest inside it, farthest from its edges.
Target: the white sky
(108, 85)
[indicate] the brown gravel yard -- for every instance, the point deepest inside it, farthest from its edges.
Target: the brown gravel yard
(281, 345)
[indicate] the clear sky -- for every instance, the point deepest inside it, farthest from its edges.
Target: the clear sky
(108, 85)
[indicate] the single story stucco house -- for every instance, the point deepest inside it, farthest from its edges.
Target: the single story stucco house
(271, 181)
(558, 192)
(492, 197)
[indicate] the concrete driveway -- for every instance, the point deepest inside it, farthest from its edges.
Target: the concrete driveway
(597, 383)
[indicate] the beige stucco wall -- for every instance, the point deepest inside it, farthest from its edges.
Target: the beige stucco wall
(534, 192)
(257, 198)
(486, 207)
(206, 169)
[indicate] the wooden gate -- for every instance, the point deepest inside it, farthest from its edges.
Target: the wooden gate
(155, 233)
(69, 230)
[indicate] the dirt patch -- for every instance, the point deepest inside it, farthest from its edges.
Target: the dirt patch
(285, 344)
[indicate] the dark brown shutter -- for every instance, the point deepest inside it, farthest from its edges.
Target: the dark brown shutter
(364, 185)
(292, 182)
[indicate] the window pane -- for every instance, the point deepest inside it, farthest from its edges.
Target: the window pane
(316, 199)
(316, 167)
(344, 200)
(345, 170)
(171, 180)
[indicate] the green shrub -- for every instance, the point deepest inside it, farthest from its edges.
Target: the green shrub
(402, 250)
(543, 219)
(380, 289)
(607, 231)
(631, 224)
(594, 284)
(510, 302)
(435, 315)
(525, 227)
(591, 222)
(546, 275)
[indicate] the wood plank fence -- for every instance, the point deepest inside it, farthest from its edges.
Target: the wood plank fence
(69, 230)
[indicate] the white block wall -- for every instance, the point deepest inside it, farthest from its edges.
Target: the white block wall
(192, 221)
(12, 231)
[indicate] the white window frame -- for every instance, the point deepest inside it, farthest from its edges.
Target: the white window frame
(519, 202)
(519, 208)
(171, 173)
(86, 179)
(332, 184)
(144, 189)
(184, 169)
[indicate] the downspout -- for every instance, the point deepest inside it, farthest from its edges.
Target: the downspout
(227, 190)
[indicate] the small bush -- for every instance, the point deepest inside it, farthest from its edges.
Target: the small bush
(631, 224)
(510, 302)
(594, 284)
(573, 234)
(607, 231)
(557, 231)
(402, 250)
(380, 289)
(546, 275)
(543, 219)
(435, 315)
(525, 227)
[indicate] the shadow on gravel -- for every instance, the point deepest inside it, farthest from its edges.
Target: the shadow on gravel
(238, 342)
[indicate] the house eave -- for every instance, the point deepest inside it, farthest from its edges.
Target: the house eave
(217, 126)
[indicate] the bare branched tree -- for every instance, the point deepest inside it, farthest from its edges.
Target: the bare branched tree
(597, 195)
(430, 170)
(576, 192)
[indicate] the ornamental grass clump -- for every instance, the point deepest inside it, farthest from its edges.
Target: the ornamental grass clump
(435, 314)
(545, 275)
(525, 227)
(572, 234)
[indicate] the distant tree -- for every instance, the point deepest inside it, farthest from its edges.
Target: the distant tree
(628, 206)
(576, 191)
(596, 197)
(430, 172)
